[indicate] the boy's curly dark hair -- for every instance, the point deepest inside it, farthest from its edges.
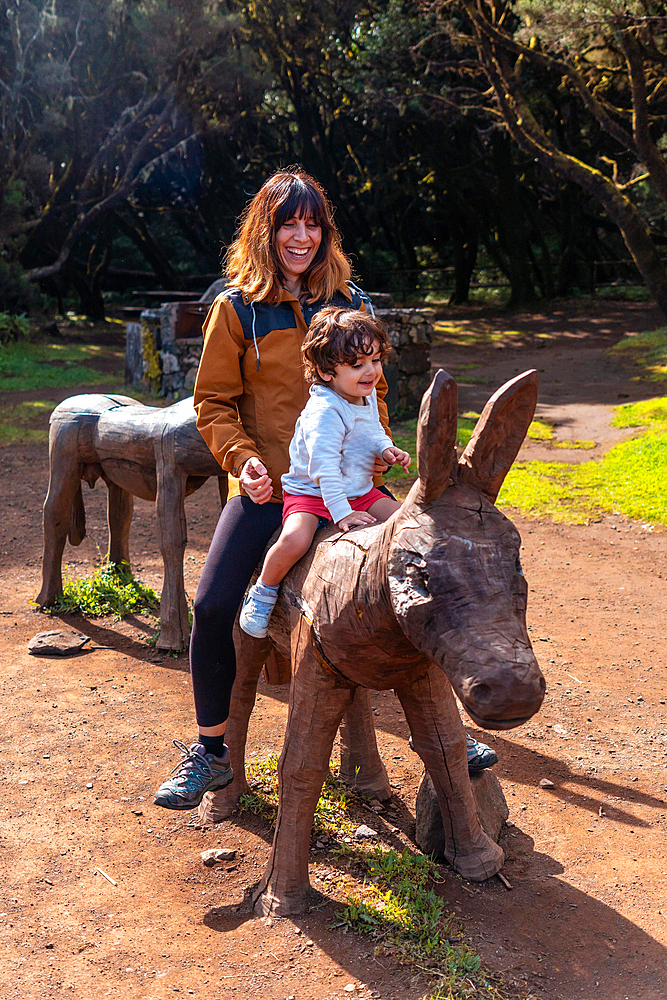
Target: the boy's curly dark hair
(338, 337)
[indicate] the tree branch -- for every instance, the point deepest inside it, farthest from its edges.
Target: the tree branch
(551, 62)
(122, 190)
(646, 148)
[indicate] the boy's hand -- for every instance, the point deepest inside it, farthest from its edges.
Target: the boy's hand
(394, 456)
(356, 517)
(255, 481)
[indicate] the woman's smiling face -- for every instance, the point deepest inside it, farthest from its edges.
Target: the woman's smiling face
(297, 242)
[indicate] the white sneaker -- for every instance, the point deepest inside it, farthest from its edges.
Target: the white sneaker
(256, 614)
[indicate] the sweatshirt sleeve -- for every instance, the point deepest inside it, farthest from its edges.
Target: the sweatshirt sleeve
(382, 389)
(382, 440)
(219, 386)
(323, 432)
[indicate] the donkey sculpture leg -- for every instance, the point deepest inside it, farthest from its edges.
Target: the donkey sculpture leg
(64, 484)
(317, 705)
(439, 739)
(172, 537)
(360, 762)
(120, 506)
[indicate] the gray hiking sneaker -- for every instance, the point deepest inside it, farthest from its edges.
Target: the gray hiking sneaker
(197, 773)
(479, 754)
(256, 612)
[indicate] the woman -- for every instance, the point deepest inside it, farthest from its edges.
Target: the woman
(284, 266)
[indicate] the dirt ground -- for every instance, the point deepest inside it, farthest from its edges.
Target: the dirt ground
(86, 739)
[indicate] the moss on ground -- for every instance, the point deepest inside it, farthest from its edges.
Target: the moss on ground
(647, 352)
(631, 479)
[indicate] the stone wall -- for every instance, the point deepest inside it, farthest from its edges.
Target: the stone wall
(408, 367)
(160, 362)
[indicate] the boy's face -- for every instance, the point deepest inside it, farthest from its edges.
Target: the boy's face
(354, 382)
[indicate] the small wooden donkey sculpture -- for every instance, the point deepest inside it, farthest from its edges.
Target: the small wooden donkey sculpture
(431, 598)
(151, 452)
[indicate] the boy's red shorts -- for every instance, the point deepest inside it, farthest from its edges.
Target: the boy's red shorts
(294, 503)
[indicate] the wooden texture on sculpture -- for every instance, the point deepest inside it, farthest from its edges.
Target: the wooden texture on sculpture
(146, 451)
(432, 599)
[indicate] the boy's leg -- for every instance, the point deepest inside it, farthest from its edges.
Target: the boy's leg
(383, 509)
(294, 542)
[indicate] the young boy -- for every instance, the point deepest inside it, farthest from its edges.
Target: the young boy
(336, 441)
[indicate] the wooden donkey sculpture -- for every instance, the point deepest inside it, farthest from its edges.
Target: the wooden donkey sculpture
(434, 596)
(145, 451)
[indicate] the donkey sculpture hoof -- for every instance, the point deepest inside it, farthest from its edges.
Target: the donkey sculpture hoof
(218, 806)
(171, 640)
(378, 788)
(482, 864)
(268, 904)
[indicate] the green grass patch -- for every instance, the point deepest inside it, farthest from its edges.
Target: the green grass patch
(25, 422)
(630, 479)
(449, 331)
(111, 590)
(573, 445)
(331, 812)
(547, 489)
(540, 431)
(647, 352)
(395, 904)
(28, 366)
(646, 412)
(397, 908)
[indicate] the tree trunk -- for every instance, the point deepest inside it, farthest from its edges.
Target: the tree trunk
(137, 230)
(534, 140)
(465, 258)
(88, 290)
(511, 230)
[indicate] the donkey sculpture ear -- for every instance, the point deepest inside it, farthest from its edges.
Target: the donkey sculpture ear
(436, 436)
(499, 434)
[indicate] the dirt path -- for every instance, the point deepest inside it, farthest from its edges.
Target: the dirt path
(86, 739)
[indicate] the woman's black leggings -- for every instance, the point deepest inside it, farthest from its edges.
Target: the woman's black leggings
(239, 540)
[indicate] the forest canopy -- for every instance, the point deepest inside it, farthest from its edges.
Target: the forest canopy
(524, 140)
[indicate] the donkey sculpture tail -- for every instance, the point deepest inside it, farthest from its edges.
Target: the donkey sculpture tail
(76, 531)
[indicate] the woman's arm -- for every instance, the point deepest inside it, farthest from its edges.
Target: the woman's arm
(218, 388)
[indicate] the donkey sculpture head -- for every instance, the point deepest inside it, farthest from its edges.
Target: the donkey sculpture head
(454, 572)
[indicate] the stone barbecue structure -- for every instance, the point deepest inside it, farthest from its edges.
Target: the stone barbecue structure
(163, 350)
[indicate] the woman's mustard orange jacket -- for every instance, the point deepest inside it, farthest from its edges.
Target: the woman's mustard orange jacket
(250, 388)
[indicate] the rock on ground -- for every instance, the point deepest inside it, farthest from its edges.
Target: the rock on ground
(57, 642)
(492, 811)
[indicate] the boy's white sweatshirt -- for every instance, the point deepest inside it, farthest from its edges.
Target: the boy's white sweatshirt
(333, 451)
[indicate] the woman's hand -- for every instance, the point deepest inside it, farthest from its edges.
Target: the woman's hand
(356, 517)
(255, 481)
(395, 456)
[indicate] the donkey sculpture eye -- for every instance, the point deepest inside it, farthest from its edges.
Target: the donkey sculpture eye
(518, 566)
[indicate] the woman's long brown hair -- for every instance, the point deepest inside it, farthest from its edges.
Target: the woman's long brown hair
(252, 264)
